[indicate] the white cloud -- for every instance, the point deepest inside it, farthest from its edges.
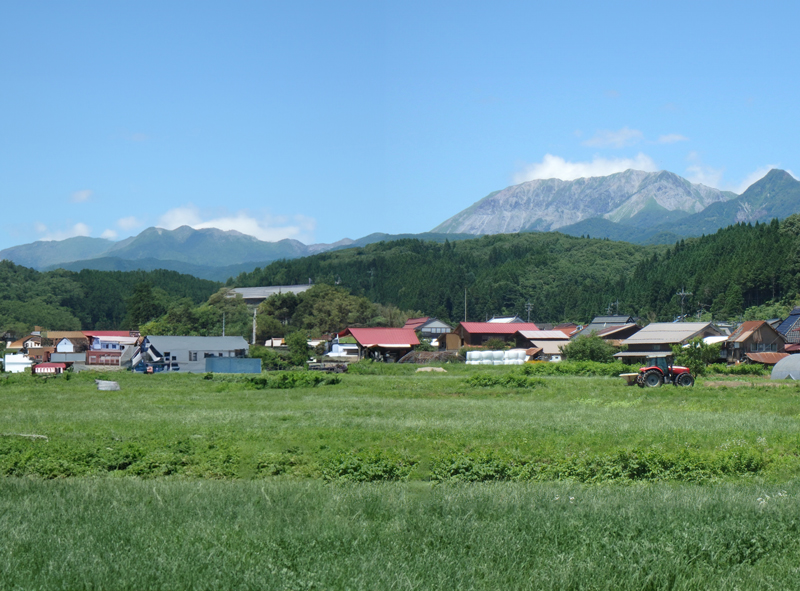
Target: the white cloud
(81, 196)
(555, 167)
(671, 138)
(614, 139)
(79, 229)
(264, 227)
(698, 172)
(109, 234)
(129, 223)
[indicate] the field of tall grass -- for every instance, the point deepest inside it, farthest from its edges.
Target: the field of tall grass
(476, 478)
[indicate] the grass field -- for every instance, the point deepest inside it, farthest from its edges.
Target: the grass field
(177, 481)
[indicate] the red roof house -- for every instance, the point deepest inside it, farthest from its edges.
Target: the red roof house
(382, 344)
(49, 368)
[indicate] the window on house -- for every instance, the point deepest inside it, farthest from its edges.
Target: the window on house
(192, 355)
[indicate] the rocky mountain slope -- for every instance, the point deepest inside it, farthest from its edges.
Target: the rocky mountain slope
(549, 204)
(777, 195)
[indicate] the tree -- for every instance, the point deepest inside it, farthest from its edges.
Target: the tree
(297, 344)
(589, 348)
(696, 355)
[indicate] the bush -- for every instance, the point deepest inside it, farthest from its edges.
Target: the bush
(589, 348)
(372, 466)
(292, 379)
(271, 360)
(370, 367)
(621, 465)
(743, 369)
(578, 368)
(509, 380)
(696, 356)
(496, 345)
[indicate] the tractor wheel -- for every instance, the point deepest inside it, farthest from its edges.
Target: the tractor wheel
(640, 380)
(653, 378)
(685, 380)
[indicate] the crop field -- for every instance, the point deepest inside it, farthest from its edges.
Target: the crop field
(475, 478)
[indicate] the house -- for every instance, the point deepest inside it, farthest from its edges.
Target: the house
(49, 369)
(659, 337)
(77, 340)
(107, 347)
(382, 344)
(343, 349)
(506, 320)
(615, 334)
(32, 341)
(253, 296)
(790, 328)
(754, 341)
(603, 322)
(428, 328)
(41, 354)
(16, 363)
(185, 354)
(542, 344)
(476, 334)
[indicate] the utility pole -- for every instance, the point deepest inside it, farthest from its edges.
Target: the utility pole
(465, 304)
(223, 324)
(683, 293)
(254, 326)
(528, 307)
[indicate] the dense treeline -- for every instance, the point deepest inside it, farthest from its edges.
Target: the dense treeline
(561, 276)
(65, 300)
(564, 277)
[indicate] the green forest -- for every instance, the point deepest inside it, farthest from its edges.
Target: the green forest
(743, 271)
(739, 271)
(65, 300)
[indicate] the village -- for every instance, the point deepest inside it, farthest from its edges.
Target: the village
(497, 341)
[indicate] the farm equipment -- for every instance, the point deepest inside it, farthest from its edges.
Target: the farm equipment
(663, 372)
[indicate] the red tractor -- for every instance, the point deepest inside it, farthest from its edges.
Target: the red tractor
(663, 372)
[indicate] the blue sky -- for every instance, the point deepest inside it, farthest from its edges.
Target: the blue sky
(317, 121)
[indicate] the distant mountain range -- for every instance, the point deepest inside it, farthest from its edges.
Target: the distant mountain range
(208, 253)
(631, 206)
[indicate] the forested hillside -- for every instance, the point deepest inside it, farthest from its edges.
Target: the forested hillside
(564, 277)
(63, 300)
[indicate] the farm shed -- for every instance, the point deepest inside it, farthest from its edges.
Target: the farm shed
(253, 296)
(186, 354)
(382, 344)
(752, 338)
(542, 344)
(659, 337)
(477, 333)
(602, 323)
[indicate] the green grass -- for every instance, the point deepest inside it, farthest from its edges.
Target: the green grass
(588, 429)
(480, 478)
(166, 534)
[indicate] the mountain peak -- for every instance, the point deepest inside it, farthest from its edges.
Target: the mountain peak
(546, 205)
